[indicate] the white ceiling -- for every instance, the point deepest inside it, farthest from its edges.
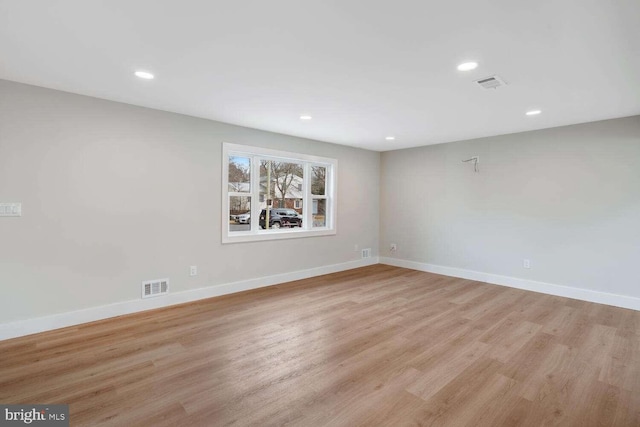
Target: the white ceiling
(364, 69)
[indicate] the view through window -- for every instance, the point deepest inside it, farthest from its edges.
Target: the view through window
(271, 194)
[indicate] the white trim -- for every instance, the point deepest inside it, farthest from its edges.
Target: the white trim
(41, 324)
(283, 233)
(47, 323)
(615, 300)
(251, 150)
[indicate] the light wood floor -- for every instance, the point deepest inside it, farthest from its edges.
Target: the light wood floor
(374, 346)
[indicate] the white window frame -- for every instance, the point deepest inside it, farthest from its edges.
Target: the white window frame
(307, 229)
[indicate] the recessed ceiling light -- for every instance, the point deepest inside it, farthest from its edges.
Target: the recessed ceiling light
(533, 112)
(144, 75)
(305, 117)
(390, 138)
(467, 66)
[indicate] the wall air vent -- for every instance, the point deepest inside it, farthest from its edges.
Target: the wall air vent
(492, 82)
(153, 288)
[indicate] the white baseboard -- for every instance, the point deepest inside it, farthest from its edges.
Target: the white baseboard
(514, 282)
(47, 323)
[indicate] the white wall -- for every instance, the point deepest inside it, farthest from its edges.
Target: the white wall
(566, 198)
(114, 194)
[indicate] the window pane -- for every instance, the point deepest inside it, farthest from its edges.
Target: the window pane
(239, 213)
(319, 213)
(239, 174)
(318, 180)
(285, 184)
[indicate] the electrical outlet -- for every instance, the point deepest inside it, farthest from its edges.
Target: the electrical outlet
(393, 247)
(366, 253)
(526, 263)
(193, 270)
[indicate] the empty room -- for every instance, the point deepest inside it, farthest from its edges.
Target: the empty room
(334, 213)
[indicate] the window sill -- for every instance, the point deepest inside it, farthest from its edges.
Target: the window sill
(240, 237)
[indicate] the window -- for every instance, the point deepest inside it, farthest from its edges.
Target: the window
(268, 194)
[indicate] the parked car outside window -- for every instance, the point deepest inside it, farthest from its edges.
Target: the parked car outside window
(244, 218)
(280, 218)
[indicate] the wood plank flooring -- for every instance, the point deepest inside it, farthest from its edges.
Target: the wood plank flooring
(376, 346)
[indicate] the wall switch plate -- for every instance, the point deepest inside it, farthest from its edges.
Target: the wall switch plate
(193, 270)
(10, 209)
(526, 263)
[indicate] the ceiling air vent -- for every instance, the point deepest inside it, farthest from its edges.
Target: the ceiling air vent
(492, 82)
(152, 288)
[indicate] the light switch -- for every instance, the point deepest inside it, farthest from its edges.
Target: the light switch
(10, 209)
